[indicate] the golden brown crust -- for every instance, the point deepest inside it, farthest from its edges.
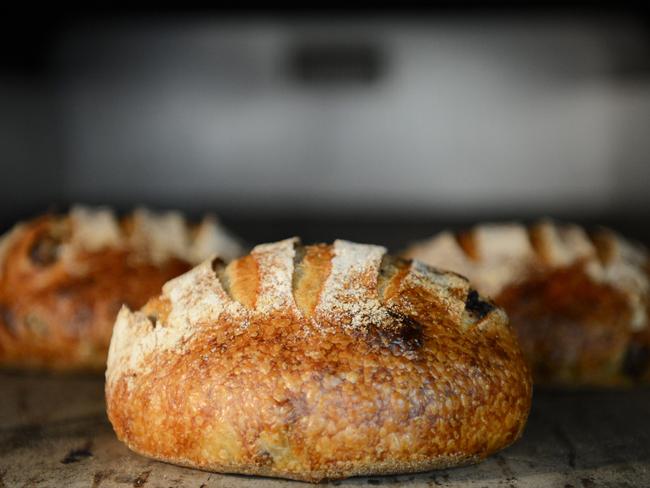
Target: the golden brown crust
(578, 302)
(63, 278)
(345, 363)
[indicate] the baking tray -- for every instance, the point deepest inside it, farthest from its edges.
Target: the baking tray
(54, 433)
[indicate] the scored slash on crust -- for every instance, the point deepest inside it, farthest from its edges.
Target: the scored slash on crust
(64, 276)
(495, 256)
(350, 299)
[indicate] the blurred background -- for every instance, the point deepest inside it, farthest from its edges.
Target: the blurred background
(373, 125)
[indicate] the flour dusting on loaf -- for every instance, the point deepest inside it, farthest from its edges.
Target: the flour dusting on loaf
(211, 236)
(562, 245)
(198, 297)
(508, 253)
(68, 274)
(349, 300)
(152, 237)
(625, 266)
(94, 229)
(349, 297)
(161, 236)
(275, 270)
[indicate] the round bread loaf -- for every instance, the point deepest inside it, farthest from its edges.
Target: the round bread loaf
(316, 362)
(63, 278)
(579, 302)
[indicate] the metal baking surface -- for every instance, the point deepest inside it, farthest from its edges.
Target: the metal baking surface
(54, 433)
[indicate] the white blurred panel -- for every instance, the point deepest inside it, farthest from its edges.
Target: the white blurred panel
(467, 115)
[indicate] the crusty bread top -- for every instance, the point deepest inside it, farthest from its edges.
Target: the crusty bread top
(495, 256)
(344, 288)
(148, 237)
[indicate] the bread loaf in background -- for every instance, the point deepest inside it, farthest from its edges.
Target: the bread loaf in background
(316, 362)
(579, 302)
(63, 279)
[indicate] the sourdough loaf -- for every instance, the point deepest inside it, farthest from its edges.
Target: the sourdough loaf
(63, 278)
(578, 301)
(316, 362)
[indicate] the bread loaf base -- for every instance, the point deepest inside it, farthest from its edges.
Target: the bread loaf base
(317, 362)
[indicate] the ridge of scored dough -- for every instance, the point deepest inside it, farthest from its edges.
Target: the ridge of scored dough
(275, 265)
(505, 255)
(197, 298)
(94, 229)
(156, 237)
(349, 300)
(447, 289)
(349, 295)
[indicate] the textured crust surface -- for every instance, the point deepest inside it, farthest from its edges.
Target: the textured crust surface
(64, 278)
(578, 302)
(316, 362)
